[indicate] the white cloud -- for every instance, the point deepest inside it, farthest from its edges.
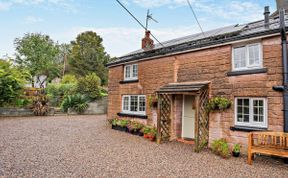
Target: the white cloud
(5, 6)
(32, 20)
(67, 5)
(242, 11)
(119, 41)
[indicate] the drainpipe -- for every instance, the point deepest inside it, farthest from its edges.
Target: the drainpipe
(284, 88)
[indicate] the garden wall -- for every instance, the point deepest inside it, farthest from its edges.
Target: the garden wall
(15, 112)
(97, 107)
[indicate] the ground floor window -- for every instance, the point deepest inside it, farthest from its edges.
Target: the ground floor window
(251, 112)
(134, 104)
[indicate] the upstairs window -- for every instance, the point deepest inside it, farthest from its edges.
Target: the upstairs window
(134, 104)
(247, 57)
(131, 72)
(251, 112)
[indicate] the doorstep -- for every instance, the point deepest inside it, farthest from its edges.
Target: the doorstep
(186, 141)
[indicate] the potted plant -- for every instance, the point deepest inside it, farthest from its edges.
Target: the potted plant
(218, 104)
(114, 123)
(236, 150)
(149, 133)
(120, 124)
(153, 101)
(123, 125)
(152, 134)
(134, 127)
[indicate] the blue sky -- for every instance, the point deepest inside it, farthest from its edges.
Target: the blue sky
(62, 20)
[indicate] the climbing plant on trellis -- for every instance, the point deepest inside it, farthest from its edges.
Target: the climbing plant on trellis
(203, 121)
(165, 116)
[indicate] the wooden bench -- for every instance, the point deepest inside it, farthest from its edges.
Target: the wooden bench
(267, 143)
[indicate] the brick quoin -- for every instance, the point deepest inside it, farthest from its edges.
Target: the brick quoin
(206, 65)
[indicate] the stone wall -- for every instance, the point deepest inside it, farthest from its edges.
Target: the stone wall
(208, 65)
(15, 112)
(96, 107)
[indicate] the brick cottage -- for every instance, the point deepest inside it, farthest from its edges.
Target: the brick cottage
(243, 63)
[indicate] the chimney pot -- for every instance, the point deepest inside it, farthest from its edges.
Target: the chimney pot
(147, 42)
(266, 16)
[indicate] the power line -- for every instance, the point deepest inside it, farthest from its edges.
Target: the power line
(139, 22)
(195, 17)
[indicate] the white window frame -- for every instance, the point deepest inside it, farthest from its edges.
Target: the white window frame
(248, 66)
(129, 104)
(131, 72)
(251, 113)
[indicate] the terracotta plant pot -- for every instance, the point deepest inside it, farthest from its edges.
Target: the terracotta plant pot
(146, 136)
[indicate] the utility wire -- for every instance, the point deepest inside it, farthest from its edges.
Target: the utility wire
(195, 17)
(139, 22)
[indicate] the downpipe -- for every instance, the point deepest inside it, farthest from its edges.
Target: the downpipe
(284, 88)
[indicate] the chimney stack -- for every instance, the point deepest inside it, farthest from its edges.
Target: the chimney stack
(147, 42)
(266, 16)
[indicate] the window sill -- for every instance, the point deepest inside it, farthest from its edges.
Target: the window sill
(132, 115)
(129, 81)
(247, 72)
(247, 129)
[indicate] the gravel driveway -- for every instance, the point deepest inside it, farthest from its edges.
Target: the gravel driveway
(84, 146)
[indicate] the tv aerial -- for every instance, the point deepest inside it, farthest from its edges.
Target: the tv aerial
(149, 17)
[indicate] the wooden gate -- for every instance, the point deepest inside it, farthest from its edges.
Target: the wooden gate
(164, 112)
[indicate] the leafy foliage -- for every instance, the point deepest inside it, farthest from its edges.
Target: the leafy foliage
(221, 147)
(135, 126)
(22, 102)
(12, 80)
(120, 122)
(218, 103)
(69, 79)
(149, 130)
(236, 148)
(57, 92)
(77, 102)
(88, 55)
(90, 86)
(40, 55)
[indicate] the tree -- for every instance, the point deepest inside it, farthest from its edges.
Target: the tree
(40, 55)
(12, 80)
(90, 86)
(88, 55)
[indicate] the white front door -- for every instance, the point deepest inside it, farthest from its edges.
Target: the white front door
(188, 117)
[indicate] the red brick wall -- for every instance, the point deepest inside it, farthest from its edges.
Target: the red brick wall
(208, 65)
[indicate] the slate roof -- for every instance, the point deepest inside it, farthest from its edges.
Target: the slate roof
(212, 37)
(183, 87)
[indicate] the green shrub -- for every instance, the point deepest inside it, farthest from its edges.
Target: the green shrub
(236, 148)
(22, 102)
(57, 92)
(77, 102)
(69, 79)
(221, 147)
(218, 103)
(90, 86)
(12, 81)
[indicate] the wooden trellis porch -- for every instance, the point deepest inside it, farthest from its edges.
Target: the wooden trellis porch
(165, 111)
